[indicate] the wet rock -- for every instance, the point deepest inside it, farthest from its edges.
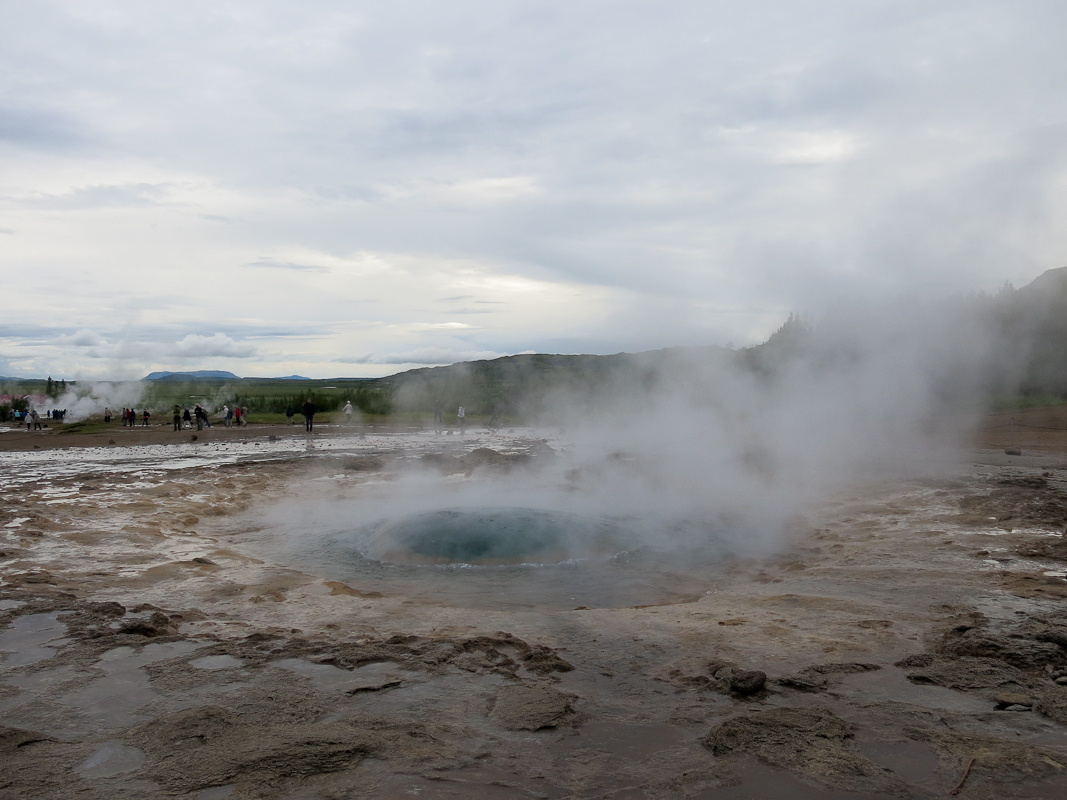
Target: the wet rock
(540, 448)
(1026, 481)
(159, 624)
(916, 660)
(748, 681)
(33, 764)
(996, 760)
(543, 660)
(16, 738)
(1053, 631)
(1055, 549)
(964, 674)
(92, 620)
(336, 587)
(40, 576)
(1053, 704)
(819, 677)
(531, 708)
(484, 457)
(809, 741)
(1006, 699)
(1020, 501)
(502, 653)
(1015, 650)
(210, 746)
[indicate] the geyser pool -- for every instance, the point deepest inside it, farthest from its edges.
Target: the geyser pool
(490, 536)
(517, 557)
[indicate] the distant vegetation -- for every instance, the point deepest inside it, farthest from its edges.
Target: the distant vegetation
(272, 396)
(1029, 367)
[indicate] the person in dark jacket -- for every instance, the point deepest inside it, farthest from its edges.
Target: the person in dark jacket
(309, 415)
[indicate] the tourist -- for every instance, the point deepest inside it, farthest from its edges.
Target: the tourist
(348, 412)
(144, 420)
(309, 415)
(227, 414)
(290, 412)
(462, 414)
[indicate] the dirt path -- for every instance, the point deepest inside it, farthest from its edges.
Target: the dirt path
(912, 633)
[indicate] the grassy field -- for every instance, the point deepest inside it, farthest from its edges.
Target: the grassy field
(517, 389)
(266, 400)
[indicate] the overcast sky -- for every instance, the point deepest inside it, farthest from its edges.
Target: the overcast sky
(354, 189)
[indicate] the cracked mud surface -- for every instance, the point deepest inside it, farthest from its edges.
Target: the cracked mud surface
(149, 649)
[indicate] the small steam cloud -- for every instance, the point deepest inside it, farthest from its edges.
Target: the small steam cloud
(82, 402)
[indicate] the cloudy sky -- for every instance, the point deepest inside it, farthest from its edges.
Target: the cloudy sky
(353, 188)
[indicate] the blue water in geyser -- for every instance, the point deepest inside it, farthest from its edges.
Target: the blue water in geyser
(513, 557)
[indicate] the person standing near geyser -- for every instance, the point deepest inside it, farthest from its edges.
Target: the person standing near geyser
(309, 415)
(348, 412)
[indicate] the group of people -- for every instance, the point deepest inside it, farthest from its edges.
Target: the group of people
(439, 418)
(235, 415)
(129, 417)
(184, 419)
(32, 417)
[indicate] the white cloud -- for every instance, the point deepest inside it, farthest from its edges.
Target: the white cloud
(425, 355)
(585, 177)
(83, 338)
(196, 346)
(469, 193)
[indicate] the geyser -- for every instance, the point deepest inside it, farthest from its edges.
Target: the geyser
(487, 536)
(516, 557)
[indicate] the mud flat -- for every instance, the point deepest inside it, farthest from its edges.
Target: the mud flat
(159, 638)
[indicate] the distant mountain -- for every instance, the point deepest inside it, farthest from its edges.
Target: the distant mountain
(199, 374)
(1032, 322)
(292, 378)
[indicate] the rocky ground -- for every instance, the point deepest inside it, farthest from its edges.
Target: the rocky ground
(910, 641)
